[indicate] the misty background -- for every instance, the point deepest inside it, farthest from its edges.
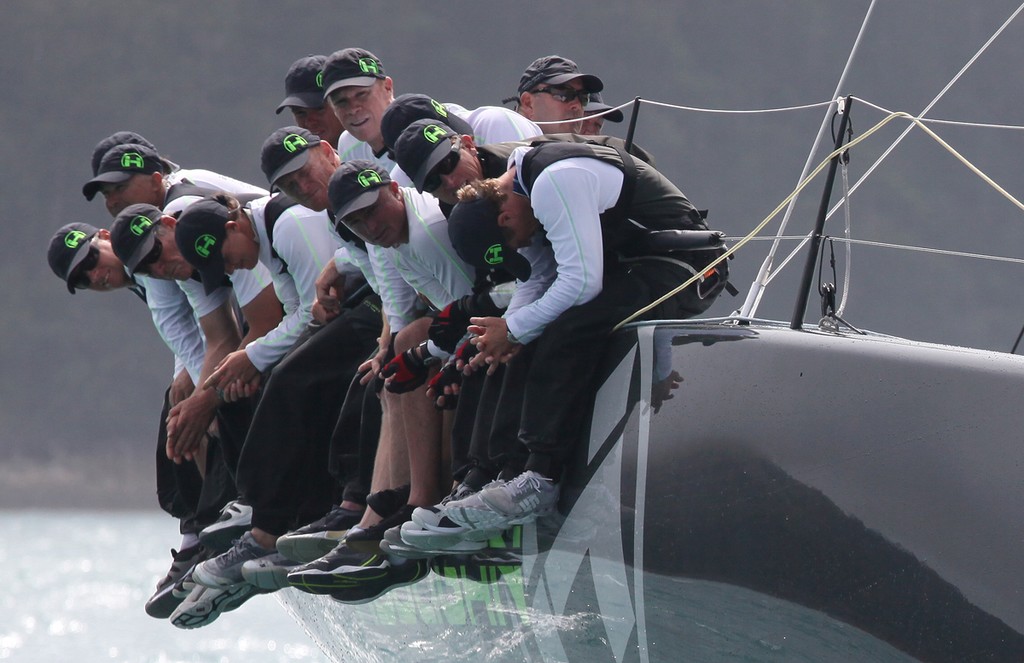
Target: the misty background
(83, 375)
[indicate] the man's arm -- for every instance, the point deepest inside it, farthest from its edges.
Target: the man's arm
(188, 421)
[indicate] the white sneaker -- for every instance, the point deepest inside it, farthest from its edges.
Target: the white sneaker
(235, 520)
(517, 502)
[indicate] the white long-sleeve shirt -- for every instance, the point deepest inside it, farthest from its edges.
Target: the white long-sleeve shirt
(427, 262)
(567, 198)
(303, 243)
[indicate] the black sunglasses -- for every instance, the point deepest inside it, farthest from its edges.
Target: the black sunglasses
(151, 258)
(444, 167)
(564, 94)
(80, 276)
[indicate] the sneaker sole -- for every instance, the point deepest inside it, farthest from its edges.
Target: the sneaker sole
(163, 603)
(204, 605)
(307, 547)
(365, 590)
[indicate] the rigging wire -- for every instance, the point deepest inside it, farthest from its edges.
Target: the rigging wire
(757, 287)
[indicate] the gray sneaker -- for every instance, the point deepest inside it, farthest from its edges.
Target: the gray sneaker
(225, 570)
(268, 573)
(516, 502)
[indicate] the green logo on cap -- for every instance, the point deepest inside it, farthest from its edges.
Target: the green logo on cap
(439, 108)
(369, 66)
(204, 243)
(139, 224)
(292, 142)
(131, 160)
(73, 239)
(433, 133)
(320, 79)
(368, 178)
(492, 256)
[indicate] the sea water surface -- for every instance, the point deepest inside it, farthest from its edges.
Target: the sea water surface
(74, 587)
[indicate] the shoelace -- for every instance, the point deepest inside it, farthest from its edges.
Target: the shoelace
(526, 483)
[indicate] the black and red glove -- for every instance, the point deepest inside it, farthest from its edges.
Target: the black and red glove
(449, 326)
(408, 370)
(446, 377)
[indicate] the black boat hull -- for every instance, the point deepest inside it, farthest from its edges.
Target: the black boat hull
(800, 496)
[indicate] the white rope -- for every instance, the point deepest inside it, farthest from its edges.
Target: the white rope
(724, 111)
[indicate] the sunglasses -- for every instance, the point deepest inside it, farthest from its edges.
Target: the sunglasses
(445, 167)
(564, 94)
(80, 277)
(150, 259)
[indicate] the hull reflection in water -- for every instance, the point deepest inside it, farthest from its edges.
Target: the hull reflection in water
(801, 496)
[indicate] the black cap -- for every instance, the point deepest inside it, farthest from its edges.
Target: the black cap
(556, 70)
(423, 145)
(351, 66)
(132, 236)
(355, 185)
(408, 108)
(69, 246)
(285, 151)
(596, 105)
(304, 83)
(477, 238)
(122, 162)
(200, 235)
(113, 140)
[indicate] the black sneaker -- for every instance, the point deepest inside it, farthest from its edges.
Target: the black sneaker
(486, 568)
(367, 582)
(386, 502)
(163, 602)
(319, 576)
(319, 537)
(368, 540)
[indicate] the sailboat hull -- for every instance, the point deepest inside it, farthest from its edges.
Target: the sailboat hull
(748, 492)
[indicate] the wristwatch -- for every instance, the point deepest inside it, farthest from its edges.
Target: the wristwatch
(511, 338)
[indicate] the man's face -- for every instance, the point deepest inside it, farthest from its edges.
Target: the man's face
(308, 185)
(384, 222)
(517, 221)
(108, 273)
(359, 110)
(540, 105)
(320, 121)
(169, 265)
(138, 188)
(466, 170)
(239, 250)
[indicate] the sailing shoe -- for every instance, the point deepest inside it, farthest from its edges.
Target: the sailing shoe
(319, 537)
(368, 540)
(431, 529)
(203, 605)
(317, 577)
(225, 569)
(268, 573)
(234, 521)
(163, 602)
(393, 543)
(386, 502)
(514, 502)
(378, 576)
(485, 568)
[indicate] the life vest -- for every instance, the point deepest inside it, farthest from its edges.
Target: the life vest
(651, 217)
